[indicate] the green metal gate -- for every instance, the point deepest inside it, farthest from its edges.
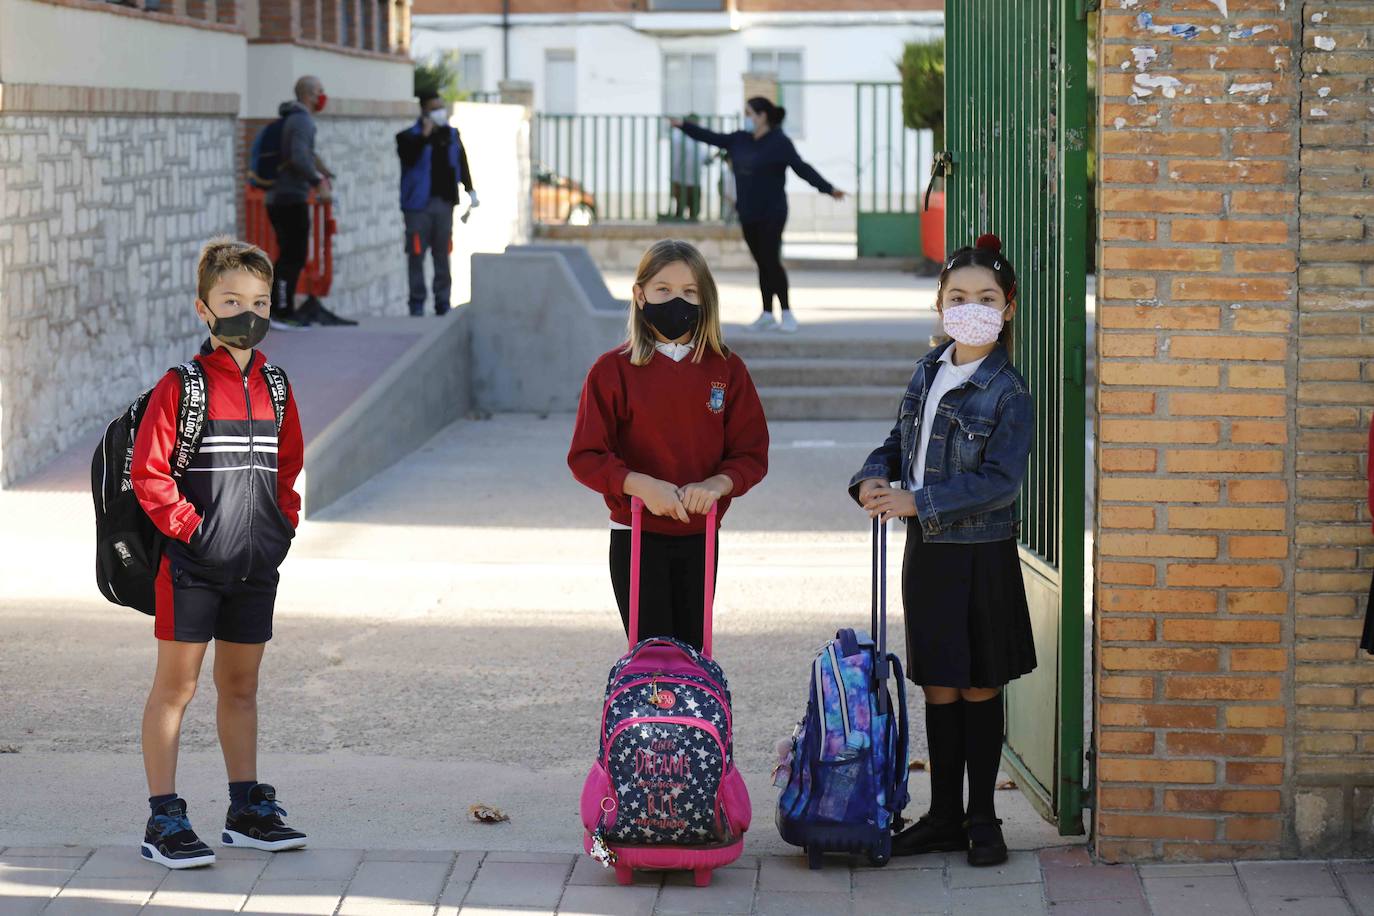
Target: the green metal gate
(1016, 122)
(888, 157)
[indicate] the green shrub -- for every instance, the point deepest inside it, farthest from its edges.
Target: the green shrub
(923, 87)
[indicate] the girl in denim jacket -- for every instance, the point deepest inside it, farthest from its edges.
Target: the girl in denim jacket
(959, 452)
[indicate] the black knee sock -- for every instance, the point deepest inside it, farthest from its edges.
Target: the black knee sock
(156, 801)
(238, 793)
(984, 725)
(945, 734)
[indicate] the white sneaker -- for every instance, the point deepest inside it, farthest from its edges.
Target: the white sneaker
(765, 322)
(788, 325)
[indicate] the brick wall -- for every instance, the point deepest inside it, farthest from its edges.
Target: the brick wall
(1333, 757)
(1197, 308)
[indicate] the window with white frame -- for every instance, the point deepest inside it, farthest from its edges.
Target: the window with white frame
(470, 71)
(788, 67)
(560, 81)
(689, 84)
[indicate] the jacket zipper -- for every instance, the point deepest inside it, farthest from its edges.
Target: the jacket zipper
(248, 405)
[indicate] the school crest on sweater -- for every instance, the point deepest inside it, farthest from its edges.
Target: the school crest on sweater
(716, 404)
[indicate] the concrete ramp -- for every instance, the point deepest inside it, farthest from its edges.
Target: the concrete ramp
(535, 330)
(367, 397)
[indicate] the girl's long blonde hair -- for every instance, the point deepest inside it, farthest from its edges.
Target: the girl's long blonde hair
(707, 336)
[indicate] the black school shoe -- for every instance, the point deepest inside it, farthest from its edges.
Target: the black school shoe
(258, 824)
(170, 841)
(314, 312)
(931, 834)
(986, 846)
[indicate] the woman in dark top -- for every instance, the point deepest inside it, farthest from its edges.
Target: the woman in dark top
(760, 158)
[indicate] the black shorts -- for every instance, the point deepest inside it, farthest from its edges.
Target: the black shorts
(190, 609)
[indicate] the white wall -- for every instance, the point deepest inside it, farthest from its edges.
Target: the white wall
(273, 70)
(496, 138)
(69, 46)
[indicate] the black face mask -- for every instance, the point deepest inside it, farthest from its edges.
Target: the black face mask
(673, 318)
(244, 330)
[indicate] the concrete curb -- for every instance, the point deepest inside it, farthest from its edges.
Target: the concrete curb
(419, 394)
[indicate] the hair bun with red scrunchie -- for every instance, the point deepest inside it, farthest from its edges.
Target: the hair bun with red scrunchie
(988, 241)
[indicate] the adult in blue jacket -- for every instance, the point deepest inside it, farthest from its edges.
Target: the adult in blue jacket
(433, 164)
(760, 158)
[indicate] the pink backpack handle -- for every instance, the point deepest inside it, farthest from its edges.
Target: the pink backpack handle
(636, 530)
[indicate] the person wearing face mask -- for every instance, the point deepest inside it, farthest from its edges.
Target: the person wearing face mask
(959, 452)
(433, 163)
(300, 173)
(759, 160)
(671, 417)
(229, 521)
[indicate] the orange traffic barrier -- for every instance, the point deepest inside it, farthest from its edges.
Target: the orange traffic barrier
(318, 274)
(933, 227)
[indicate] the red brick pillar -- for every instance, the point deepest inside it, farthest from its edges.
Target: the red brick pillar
(1197, 310)
(1333, 758)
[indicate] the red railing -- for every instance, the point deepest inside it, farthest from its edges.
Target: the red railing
(318, 274)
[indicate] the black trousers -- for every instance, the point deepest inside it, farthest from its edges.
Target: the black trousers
(764, 239)
(291, 223)
(672, 587)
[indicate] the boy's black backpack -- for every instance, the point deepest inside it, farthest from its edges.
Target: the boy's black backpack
(128, 546)
(265, 156)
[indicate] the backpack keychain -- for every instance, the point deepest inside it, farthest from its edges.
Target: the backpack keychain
(600, 851)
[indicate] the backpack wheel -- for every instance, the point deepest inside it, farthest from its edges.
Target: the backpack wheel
(814, 857)
(879, 859)
(624, 874)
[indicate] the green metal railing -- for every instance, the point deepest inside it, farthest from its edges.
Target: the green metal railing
(890, 158)
(626, 168)
(1016, 118)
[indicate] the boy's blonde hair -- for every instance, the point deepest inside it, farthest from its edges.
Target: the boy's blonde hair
(706, 335)
(225, 255)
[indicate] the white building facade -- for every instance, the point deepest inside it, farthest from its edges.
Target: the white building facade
(675, 63)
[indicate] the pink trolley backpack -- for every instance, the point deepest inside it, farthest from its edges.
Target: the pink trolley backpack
(664, 793)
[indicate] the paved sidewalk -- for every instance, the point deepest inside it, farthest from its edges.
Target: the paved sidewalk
(74, 880)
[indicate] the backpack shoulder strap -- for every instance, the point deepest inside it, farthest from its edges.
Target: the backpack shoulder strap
(278, 388)
(191, 415)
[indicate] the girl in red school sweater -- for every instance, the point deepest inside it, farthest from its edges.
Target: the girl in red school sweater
(672, 417)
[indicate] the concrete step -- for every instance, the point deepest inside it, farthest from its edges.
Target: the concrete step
(771, 344)
(828, 402)
(778, 372)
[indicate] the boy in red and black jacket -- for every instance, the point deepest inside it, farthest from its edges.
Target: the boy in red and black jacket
(229, 520)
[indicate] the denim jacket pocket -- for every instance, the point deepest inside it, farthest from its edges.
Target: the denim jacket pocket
(972, 441)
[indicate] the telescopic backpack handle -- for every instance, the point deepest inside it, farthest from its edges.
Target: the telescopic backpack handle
(636, 532)
(879, 609)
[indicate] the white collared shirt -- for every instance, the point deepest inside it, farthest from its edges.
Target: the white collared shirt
(675, 351)
(947, 378)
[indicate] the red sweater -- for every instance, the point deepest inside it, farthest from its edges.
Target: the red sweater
(678, 421)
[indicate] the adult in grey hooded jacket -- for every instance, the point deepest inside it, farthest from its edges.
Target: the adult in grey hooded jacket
(300, 172)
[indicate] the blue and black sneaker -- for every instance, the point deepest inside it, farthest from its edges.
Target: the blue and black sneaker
(170, 841)
(258, 824)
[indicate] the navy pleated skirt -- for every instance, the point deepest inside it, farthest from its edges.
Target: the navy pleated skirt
(967, 623)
